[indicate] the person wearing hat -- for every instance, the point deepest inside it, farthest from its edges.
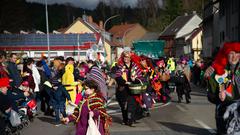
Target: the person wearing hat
(128, 73)
(224, 85)
(5, 104)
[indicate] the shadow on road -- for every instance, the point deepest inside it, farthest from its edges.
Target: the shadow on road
(185, 128)
(48, 120)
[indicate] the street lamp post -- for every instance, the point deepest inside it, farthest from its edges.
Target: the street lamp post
(104, 25)
(46, 11)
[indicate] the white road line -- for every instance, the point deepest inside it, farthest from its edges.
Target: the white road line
(181, 108)
(113, 111)
(113, 103)
(118, 111)
(205, 126)
(161, 105)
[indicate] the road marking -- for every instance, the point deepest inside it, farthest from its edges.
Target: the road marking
(113, 103)
(161, 105)
(181, 108)
(205, 126)
(118, 111)
(113, 111)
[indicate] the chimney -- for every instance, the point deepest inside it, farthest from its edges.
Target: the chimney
(90, 19)
(101, 24)
(185, 14)
(194, 12)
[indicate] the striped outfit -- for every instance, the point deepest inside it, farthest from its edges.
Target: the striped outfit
(96, 75)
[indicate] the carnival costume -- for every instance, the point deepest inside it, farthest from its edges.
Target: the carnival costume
(226, 76)
(128, 102)
(94, 103)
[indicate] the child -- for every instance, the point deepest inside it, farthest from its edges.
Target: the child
(58, 95)
(93, 105)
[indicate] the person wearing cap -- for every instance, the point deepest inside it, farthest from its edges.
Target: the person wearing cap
(224, 84)
(5, 104)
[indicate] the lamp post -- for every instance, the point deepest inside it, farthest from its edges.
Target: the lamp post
(46, 11)
(104, 25)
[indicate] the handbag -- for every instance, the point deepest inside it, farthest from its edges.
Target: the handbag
(92, 127)
(14, 118)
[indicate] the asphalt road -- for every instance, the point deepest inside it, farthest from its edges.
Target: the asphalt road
(196, 118)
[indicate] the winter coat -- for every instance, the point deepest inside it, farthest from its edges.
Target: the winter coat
(58, 97)
(14, 74)
(96, 105)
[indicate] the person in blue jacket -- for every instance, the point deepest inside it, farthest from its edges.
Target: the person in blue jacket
(58, 95)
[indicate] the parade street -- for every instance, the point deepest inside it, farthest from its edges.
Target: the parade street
(196, 118)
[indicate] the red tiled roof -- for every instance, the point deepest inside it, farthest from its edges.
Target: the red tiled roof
(119, 30)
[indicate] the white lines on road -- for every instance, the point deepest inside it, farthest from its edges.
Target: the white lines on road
(161, 105)
(205, 126)
(113, 111)
(181, 108)
(113, 103)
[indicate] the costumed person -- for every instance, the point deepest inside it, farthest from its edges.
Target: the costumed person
(147, 70)
(224, 86)
(182, 79)
(5, 104)
(164, 77)
(171, 65)
(128, 73)
(92, 105)
(68, 81)
(96, 75)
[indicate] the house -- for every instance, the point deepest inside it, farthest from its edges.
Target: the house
(86, 25)
(177, 33)
(210, 24)
(125, 34)
(34, 45)
(221, 24)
